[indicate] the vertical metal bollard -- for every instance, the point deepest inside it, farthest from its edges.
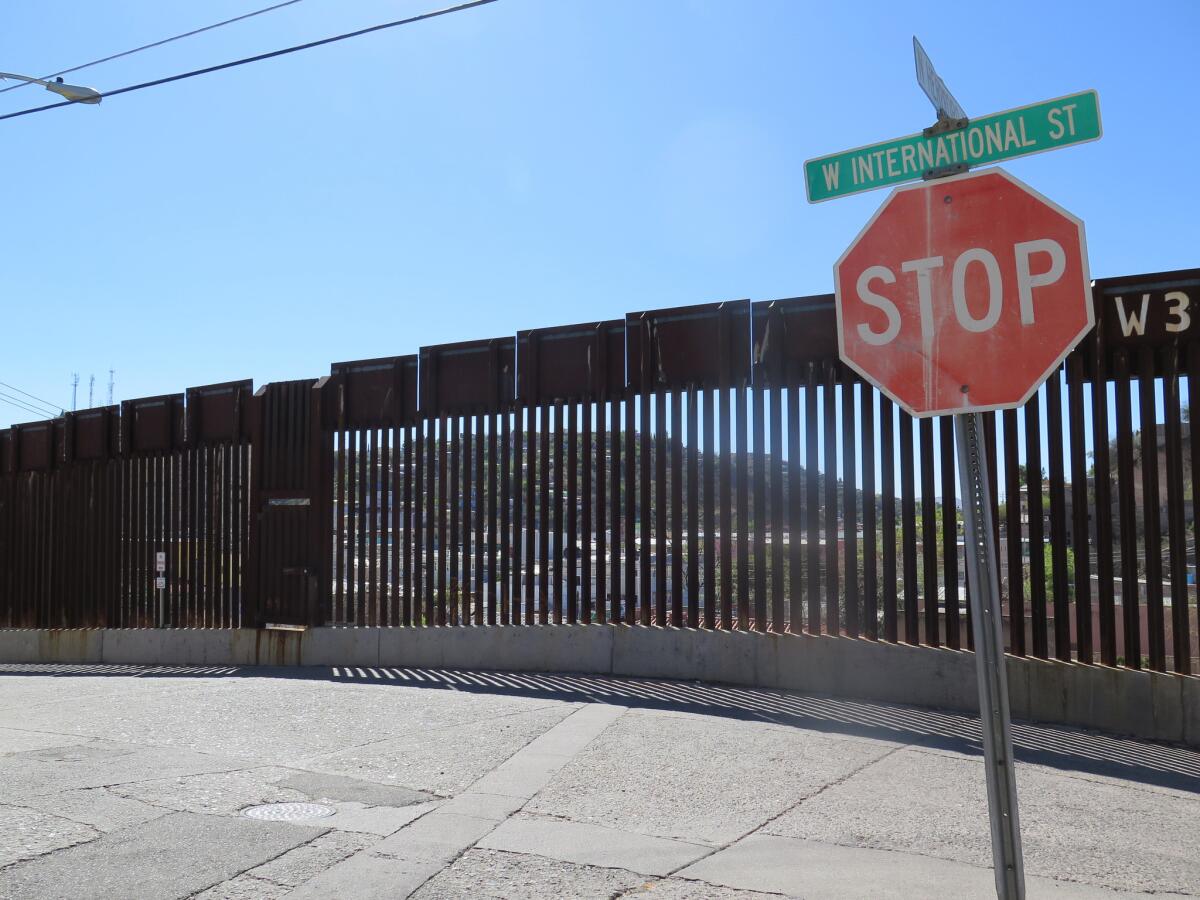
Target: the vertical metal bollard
(983, 579)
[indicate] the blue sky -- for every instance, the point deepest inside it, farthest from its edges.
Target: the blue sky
(525, 164)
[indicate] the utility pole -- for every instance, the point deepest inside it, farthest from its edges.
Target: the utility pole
(111, 373)
(91, 390)
(74, 389)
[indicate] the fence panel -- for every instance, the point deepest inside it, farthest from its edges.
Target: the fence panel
(96, 506)
(710, 466)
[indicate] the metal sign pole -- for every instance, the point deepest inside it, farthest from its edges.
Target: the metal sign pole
(983, 580)
(984, 585)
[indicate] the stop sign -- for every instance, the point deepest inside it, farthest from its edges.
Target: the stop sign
(963, 294)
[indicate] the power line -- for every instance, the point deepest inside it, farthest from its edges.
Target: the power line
(21, 404)
(260, 57)
(42, 402)
(16, 401)
(96, 62)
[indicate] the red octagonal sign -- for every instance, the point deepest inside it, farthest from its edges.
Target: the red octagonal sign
(963, 294)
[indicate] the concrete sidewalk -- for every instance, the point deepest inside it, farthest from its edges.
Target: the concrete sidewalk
(131, 782)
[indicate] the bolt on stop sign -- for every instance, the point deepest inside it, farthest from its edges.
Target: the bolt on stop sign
(963, 294)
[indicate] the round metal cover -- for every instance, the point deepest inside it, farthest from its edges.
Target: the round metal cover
(288, 812)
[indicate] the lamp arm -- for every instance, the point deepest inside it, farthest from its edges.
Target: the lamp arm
(40, 81)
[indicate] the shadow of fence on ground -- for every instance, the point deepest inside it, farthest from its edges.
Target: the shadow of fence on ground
(1163, 765)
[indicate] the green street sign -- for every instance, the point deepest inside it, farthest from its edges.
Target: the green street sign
(1074, 119)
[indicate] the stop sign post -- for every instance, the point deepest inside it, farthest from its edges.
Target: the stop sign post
(943, 302)
(963, 294)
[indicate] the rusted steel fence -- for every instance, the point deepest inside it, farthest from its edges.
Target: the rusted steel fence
(88, 501)
(711, 466)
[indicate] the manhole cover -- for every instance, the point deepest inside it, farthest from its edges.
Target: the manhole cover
(288, 812)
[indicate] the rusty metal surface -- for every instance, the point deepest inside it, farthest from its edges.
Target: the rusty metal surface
(709, 466)
(1080, 510)
(850, 501)
(467, 377)
(1155, 309)
(1126, 500)
(870, 520)
(571, 362)
(676, 431)
(952, 602)
(790, 335)
(1176, 515)
(1015, 588)
(929, 538)
(1034, 503)
(1151, 502)
(908, 530)
(1058, 519)
(887, 466)
(683, 347)
(153, 423)
(1102, 535)
(372, 392)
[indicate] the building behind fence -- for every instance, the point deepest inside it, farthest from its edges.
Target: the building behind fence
(711, 466)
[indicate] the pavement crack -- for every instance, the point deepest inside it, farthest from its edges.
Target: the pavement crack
(95, 836)
(823, 788)
(115, 784)
(249, 869)
(473, 844)
(788, 809)
(532, 855)
(24, 805)
(649, 885)
(83, 738)
(525, 746)
(557, 817)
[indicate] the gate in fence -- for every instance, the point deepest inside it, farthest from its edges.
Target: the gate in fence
(712, 466)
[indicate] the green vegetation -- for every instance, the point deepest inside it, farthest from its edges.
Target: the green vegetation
(1048, 568)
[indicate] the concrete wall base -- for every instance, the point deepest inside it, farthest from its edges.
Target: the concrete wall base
(1143, 704)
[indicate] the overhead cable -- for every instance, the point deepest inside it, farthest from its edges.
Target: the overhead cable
(21, 404)
(195, 31)
(260, 57)
(41, 402)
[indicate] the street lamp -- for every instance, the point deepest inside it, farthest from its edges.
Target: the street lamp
(72, 92)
